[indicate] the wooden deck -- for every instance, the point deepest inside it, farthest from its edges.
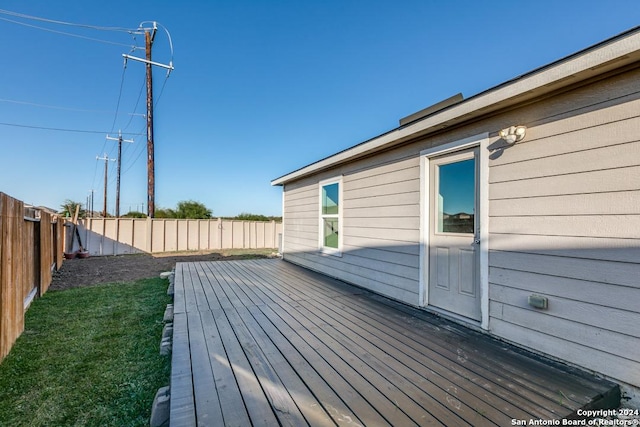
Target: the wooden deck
(264, 342)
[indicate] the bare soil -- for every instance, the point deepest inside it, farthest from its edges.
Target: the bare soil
(127, 268)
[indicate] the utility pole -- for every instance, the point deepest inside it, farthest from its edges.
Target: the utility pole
(120, 141)
(149, 36)
(151, 167)
(106, 163)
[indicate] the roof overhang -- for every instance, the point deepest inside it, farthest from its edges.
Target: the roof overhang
(606, 56)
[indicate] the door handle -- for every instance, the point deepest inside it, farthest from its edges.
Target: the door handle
(476, 241)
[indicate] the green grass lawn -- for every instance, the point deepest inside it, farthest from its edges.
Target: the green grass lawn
(88, 357)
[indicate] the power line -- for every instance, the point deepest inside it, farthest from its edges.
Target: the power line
(60, 129)
(113, 125)
(141, 147)
(161, 91)
(133, 47)
(53, 21)
(136, 106)
(115, 116)
(54, 107)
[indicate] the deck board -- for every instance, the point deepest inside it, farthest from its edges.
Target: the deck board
(265, 342)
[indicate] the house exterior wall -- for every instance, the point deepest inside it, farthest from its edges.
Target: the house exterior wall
(380, 227)
(564, 223)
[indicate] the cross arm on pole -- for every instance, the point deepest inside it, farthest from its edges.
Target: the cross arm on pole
(134, 58)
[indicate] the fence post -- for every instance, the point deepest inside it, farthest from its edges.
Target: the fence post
(148, 234)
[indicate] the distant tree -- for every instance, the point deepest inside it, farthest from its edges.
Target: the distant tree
(134, 214)
(68, 209)
(245, 216)
(165, 213)
(192, 210)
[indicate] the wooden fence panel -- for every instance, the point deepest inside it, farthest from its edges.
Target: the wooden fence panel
(29, 249)
(11, 308)
(58, 243)
(31, 257)
(46, 251)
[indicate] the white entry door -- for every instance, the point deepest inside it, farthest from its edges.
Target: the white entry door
(454, 228)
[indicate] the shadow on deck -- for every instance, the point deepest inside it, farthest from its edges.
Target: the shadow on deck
(264, 342)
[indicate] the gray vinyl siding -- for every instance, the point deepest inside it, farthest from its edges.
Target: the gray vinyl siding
(380, 226)
(565, 223)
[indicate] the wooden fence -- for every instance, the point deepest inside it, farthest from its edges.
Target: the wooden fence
(117, 236)
(31, 247)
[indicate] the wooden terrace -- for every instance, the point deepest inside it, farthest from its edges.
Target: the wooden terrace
(264, 342)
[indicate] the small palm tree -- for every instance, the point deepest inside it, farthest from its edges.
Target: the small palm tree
(68, 209)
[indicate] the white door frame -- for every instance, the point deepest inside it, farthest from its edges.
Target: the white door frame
(481, 141)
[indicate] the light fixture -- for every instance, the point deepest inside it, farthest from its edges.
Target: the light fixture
(513, 134)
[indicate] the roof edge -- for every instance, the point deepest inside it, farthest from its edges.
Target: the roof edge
(554, 76)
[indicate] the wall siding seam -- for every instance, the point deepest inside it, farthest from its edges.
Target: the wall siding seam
(350, 187)
(384, 270)
(563, 194)
(386, 284)
(558, 350)
(570, 235)
(567, 298)
(586, 108)
(383, 249)
(389, 186)
(565, 153)
(566, 174)
(564, 256)
(405, 242)
(568, 319)
(313, 265)
(569, 338)
(383, 195)
(352, 177)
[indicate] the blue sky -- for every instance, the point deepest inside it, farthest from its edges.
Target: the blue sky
(260, 88)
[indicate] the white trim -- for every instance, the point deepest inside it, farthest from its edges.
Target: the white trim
(423, 289)
(282, 250)
(481, 141)
(323, 249)
(483, 186)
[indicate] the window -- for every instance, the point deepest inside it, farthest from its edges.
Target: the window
(330, 221)
(456, 197)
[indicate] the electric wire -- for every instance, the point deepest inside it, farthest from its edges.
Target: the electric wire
(53, 21)
(136, 106)
(59, 129)
(137, 157)
(71, 34)
(54, 107)
(155, 105)
(115, 117)
(139, 30)
(161, 91)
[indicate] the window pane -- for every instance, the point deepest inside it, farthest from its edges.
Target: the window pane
(330, 199)
(456, 197)
(331, 232)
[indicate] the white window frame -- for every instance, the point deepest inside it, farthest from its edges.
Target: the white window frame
(324, 249)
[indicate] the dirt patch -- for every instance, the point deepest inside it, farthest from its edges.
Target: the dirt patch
(126, 268)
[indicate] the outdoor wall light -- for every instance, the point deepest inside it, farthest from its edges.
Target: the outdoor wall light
(513, 134)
